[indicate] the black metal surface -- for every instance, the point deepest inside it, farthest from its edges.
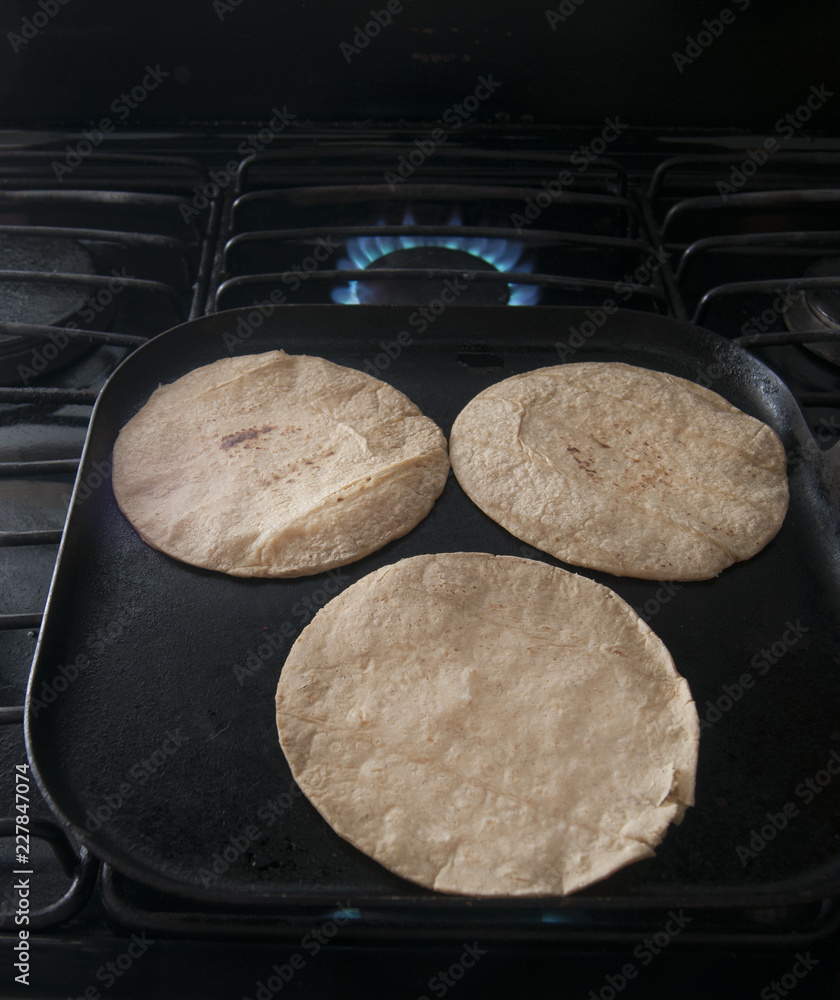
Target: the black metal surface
(134, 906)
(163, 643)
(787, 337)
(47, 394)
(42, 537)
(254, 286)
(47, 467)
(121, 171)
(773, 287)
(365, 162)
(94, 336)
(31, 620)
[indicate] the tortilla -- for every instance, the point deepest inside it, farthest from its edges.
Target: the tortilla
(277, 465)
(488, 725)
(622, 469)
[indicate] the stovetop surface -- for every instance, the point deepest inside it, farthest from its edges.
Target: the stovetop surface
(192, 273)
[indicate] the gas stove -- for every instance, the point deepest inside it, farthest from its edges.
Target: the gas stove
(146, 232)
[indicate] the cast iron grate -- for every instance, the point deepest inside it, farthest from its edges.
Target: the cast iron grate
(745, 233)
(125, 211)
(577, 235)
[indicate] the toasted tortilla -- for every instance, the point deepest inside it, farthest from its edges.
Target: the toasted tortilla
(622, 469)
(277, 465)
(488, 725)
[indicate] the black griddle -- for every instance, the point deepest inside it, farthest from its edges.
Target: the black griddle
(161, 754)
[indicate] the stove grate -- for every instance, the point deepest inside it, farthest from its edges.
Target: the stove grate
(126, 211)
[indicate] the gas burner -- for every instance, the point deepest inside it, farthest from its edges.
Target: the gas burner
(414, 292)
(47, 303)
(448, 251)
(818, 309)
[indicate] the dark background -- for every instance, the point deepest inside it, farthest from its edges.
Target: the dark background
(610, 57)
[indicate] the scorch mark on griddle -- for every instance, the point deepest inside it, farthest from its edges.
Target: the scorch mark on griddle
(247, 435)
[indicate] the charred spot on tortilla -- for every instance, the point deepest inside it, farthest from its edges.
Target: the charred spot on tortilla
(234, 467)
(229, 440)
(623, 469)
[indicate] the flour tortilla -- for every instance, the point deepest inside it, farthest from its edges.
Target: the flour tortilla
(277, 465)
(488, 725)
(622, 469)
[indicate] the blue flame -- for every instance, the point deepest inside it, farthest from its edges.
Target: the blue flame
(504, 255)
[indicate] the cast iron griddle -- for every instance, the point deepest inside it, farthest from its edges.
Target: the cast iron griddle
(160, 751)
